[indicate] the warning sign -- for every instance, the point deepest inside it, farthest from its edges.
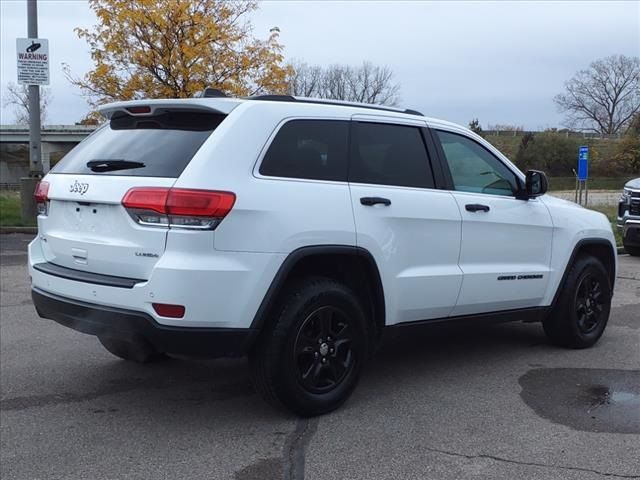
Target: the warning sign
(33, 61)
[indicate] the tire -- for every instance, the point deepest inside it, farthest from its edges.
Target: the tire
(633, 251)
(581, 312)
(136, 350)
(310, 357)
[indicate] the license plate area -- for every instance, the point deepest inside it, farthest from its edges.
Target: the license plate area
(84, 217)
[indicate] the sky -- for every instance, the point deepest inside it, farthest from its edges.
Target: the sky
(499, 61)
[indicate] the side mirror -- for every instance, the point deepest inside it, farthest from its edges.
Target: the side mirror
(536, 183)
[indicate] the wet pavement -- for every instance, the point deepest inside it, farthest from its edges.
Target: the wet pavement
(493, 402)
(587, 399)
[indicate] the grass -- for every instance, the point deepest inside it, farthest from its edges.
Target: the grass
(10, 212)
(611, 213)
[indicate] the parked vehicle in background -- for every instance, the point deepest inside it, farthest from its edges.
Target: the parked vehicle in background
(629, 217)
(296, 231)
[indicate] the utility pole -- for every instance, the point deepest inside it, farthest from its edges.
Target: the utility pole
(34, 99)
(28, 184)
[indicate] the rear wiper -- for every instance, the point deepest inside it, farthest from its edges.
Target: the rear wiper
(111, 165)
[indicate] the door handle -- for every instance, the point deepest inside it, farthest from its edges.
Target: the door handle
(370, 201)
(476, 207)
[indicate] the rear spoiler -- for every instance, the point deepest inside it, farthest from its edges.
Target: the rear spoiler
(150, 107)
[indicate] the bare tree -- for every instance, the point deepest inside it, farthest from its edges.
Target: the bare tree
(17, 96)
(367, 83)
(604, 97)
(305, 80)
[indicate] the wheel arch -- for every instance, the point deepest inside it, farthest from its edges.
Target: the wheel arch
(601, 249)
(355, 266)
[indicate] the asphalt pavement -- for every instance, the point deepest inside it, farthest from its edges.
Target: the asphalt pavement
(482, 402)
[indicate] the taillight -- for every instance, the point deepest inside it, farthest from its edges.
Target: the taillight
(154, 199)
(198, 208)
(178, 207)
(41, 196)
(42, 192)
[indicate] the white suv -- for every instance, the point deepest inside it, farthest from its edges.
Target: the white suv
(296, 231)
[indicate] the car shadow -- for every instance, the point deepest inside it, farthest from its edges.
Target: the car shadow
(223, 387)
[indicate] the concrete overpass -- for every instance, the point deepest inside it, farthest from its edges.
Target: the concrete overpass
(55, 139)
(49, 133)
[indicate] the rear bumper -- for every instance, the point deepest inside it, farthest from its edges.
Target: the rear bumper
(219, 290)
(127, 324)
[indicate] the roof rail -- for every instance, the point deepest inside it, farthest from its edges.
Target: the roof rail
(291, 98)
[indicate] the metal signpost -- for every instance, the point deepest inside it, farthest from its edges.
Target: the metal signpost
(583, 175)
(33, 70)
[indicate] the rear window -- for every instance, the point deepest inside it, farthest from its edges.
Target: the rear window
(159, 145)
(314, 149)
(389, 155)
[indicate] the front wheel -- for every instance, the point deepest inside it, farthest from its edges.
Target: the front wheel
(310, 358)
(582, 310)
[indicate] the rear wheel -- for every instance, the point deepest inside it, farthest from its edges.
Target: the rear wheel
(310, 359)
(135, 350)
(581, 313)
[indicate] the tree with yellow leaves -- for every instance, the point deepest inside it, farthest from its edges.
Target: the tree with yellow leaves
(176, 48)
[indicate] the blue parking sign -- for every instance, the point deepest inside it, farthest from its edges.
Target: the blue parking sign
(583, 163)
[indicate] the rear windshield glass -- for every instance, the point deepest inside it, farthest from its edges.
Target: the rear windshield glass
(159, 145)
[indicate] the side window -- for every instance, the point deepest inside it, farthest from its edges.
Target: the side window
(473, 168)
(314, 149)
(389, 155)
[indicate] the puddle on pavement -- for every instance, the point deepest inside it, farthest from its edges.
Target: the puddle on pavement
(587, 399)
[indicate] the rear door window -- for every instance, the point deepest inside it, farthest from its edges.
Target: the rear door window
(160, 145)
(313, 149)
(387, 154)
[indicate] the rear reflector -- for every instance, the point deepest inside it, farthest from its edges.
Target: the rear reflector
(178, 207)
(168, 310)
(41, 194)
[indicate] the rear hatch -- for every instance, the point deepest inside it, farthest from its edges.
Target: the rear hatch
(86, 227)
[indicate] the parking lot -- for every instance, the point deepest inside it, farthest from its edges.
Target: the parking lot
(443, 403)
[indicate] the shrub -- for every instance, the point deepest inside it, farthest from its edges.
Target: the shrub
(551, 152)
(627, 156)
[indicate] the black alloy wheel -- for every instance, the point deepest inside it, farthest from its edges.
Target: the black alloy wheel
(323, 350)
(589, 304)
(310, 355)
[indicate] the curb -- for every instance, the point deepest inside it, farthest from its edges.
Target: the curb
(28, 230)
